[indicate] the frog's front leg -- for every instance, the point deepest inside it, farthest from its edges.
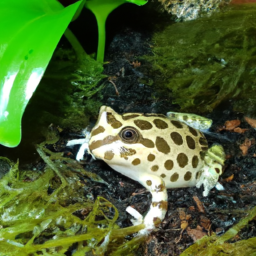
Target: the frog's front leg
(84, 144)
(158, 207)
(214, 161)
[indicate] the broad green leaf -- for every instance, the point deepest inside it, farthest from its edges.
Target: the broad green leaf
(30, 31)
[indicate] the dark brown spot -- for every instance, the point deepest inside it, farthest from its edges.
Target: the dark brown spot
(202, 154)
(162, 145)
(98, 143)
(143, 125)
(127, 117)
(136, 161)
(177, 124)
(151, 157)
(149, 182)
(160, 188)
(160, 124)
(98, 130)
(187, 176)
(182, 160)
(195, 161)
(163, 175)
(217, 170)
(154, 168)
(204, 148)
(116, 124)
(157, 221)
(191, 143)
(154, 204)
(126, 158)
(108, 155)
(176, 137)
(185, 118)
(127, 152)
(174, 177)
(161, 205)
(203, 141)
(192, 130)
(198, 175)
(168, 165)
(112, 121)
(146, 142)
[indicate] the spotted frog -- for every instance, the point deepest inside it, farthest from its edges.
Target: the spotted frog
(157, 151)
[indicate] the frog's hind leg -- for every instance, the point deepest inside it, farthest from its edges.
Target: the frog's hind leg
(214, 161)
(195, 121)
(158, 207)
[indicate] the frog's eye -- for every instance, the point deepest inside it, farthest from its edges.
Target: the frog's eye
(129, 135)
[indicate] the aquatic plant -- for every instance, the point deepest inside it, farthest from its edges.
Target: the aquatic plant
(30, 31)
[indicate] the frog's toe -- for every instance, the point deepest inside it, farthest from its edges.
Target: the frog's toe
(214, 160)
(83, 142)
(209, 179)
(72, 143)
(80, 153)
(82, 149)
(138, 218)
(219, 186)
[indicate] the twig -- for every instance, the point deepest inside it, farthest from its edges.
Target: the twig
(117, 93)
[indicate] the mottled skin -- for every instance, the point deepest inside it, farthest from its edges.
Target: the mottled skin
(164, 148)
(157, 152)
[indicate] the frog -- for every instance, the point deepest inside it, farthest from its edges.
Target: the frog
(158, 151)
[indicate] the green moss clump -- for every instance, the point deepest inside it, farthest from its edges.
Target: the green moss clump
(209, 60)
(49, 213)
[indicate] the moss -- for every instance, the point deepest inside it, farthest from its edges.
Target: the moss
(214, 245)
(68, 83)
(92, 106)
(49, 213)
(209, 60)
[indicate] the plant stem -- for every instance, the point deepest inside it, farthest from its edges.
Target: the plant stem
(75, 44)
(101, 22)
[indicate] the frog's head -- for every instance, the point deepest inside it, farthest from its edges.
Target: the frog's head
(114, 136)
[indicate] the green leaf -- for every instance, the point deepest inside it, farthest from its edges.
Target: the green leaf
(137, 2)
(30, 31)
